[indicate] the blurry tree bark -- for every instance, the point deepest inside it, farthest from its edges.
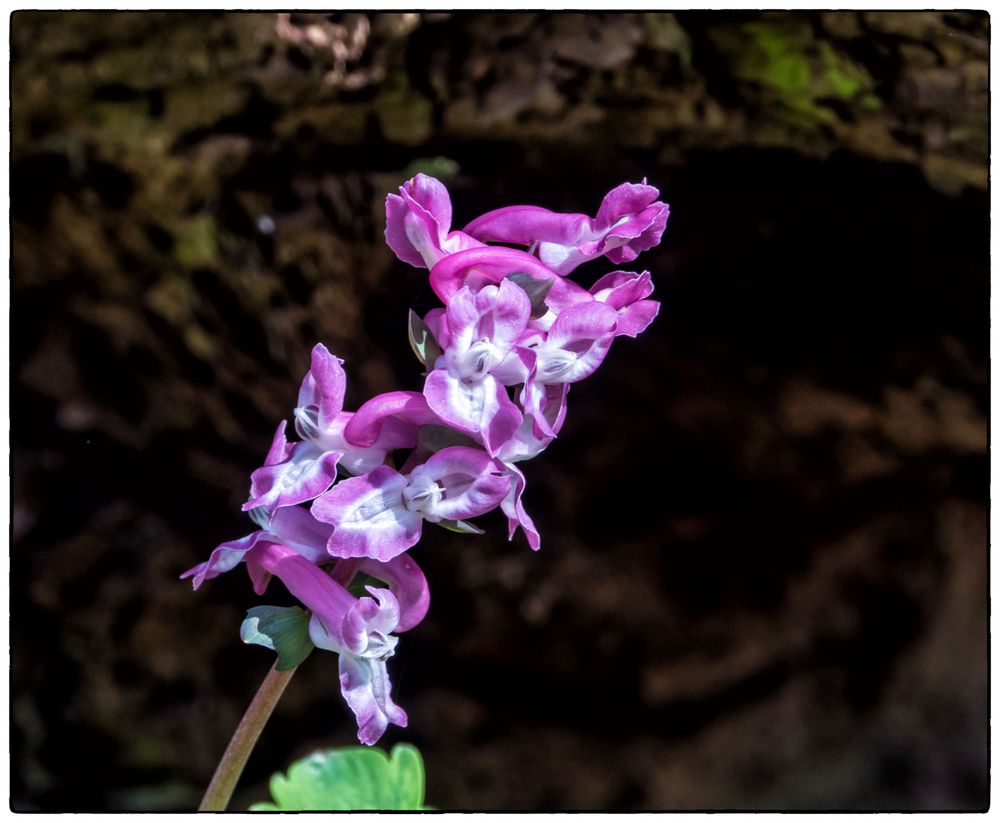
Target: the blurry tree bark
(162, 143)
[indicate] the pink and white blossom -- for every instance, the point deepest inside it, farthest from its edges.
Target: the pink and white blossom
(513, 334)
(418, 223)
(381, 514)
(630, 220)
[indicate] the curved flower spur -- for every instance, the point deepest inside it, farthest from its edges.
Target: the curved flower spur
(336, 517)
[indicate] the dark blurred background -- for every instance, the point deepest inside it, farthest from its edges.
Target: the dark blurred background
(762, 581)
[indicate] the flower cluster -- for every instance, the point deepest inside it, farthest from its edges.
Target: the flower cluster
(501, 354)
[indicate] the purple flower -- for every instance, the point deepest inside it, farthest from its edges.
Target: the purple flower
(576, 343)
(292, 473)
(513, 335)
(358, 629)
(297, 472)
(418, 220)
(295, 528)
(403, 577)
(291, 526)
(381, 514)
(626, 292)
(290, 547)
(482, 328)
(630, 220)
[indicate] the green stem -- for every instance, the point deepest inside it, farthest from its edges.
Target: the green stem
(228, 772)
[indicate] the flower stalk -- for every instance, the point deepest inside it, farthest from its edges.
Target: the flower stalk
(227, 773)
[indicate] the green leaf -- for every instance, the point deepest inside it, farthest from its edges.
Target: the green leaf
(460, 526)
(537, 291)
(350, 779)
(424, 346)
(284, 630)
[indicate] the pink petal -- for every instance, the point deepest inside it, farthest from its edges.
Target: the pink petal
(524, 444)
(430, 195)
(517, 365)
(324, 385)
(280, 449)
(305, 475)
(628, 222)
(620, 289)
(498, 314)
(526, 225)
(472, 482)
(224, 557)
(434, 320)
(624, 200)
(405, 411)
(407, 582)
(634, 319)
(308, 583)
(626, 292)
(545, 404)
(479, 408)
(368, 616)
(577, 343)
(291, 526)
(368, 516)
(364, 682)
(396, 212)
(418, 222)
(512, 507)
(295, 527)
(642, 232)
(491, 264)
